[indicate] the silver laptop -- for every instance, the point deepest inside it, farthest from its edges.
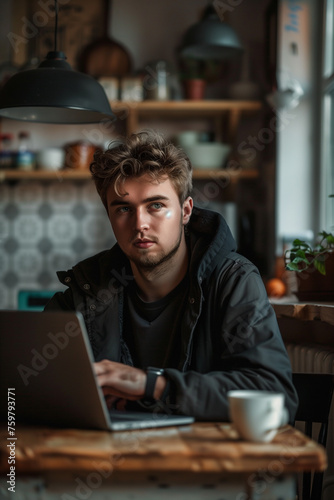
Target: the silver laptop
(46, 361)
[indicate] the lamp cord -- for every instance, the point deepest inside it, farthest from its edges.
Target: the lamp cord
(56, 24)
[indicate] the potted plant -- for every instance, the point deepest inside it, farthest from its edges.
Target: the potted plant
(195, 74)
(314, 267)
(193, 80)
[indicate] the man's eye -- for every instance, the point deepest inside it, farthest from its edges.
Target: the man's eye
(156, 205)
(122, 210)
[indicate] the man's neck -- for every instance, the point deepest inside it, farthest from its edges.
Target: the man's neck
(156, 283)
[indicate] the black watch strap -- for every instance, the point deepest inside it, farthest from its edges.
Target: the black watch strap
(152, 375)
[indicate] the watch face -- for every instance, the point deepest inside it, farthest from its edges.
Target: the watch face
(152, 369)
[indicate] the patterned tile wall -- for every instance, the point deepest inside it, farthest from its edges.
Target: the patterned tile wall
(46, 227)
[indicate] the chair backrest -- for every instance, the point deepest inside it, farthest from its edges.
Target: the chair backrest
(315, 392)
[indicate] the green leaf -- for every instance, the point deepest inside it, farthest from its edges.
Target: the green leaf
(320, 266)
(299, 260)
(301, 255)
(300, 243)
(291, 266)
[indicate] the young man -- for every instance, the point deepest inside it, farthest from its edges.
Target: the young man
(173, 313)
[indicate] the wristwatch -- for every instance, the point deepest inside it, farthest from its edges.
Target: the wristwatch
(152, 375)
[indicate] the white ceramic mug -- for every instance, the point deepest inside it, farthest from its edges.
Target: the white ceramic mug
(257, 415)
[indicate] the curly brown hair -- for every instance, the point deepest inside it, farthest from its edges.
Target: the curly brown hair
(143, 153)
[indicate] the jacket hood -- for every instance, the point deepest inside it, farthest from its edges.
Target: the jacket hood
(210, 241)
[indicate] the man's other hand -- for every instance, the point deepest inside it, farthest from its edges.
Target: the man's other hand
(123, 381)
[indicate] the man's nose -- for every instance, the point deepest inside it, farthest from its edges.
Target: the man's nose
(141, 219)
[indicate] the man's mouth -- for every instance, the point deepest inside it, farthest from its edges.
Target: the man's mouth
(143, 243)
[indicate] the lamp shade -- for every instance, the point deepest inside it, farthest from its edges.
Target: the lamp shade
(54, 93)
(211, 39)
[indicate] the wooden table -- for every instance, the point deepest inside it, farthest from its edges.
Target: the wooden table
(201, 461)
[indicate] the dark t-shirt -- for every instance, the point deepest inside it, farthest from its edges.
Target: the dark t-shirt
(152, 329)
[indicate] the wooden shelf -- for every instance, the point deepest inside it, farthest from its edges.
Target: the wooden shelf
(187, 106)
(40, 175)
(133, 111)
(224, 173)
(305, 311)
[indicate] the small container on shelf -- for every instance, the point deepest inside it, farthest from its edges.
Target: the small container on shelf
(25, 157)
(157, 81)
(131, 89)
(111, 87)
(6, 151)
(79, 155)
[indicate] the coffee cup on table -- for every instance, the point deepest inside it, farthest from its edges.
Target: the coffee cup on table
(257, 415)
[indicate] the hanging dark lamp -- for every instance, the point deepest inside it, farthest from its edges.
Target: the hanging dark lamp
(54, 93)
(211, 39)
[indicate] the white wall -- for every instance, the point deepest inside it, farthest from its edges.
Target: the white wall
(297, 139)
(152, 29)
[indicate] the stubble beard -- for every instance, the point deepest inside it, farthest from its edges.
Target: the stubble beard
(158, 262)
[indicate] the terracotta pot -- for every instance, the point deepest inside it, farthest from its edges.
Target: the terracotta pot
(312, 285)
(79, 155)
(194, 89)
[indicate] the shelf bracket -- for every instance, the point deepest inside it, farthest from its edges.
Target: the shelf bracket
(234, 117)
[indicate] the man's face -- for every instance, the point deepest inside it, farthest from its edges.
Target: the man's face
(148, 221)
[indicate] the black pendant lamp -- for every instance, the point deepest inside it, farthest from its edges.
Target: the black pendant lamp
(54, 93)
(211, 39)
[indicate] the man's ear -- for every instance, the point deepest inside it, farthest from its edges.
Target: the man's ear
(187, 209)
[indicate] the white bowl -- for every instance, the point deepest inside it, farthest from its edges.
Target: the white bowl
(50, 158)
(211, 155)
(187, 138)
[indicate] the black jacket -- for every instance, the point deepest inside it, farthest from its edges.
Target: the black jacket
(230, 336)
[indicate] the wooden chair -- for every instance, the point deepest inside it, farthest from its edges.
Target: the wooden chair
(315, 391)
